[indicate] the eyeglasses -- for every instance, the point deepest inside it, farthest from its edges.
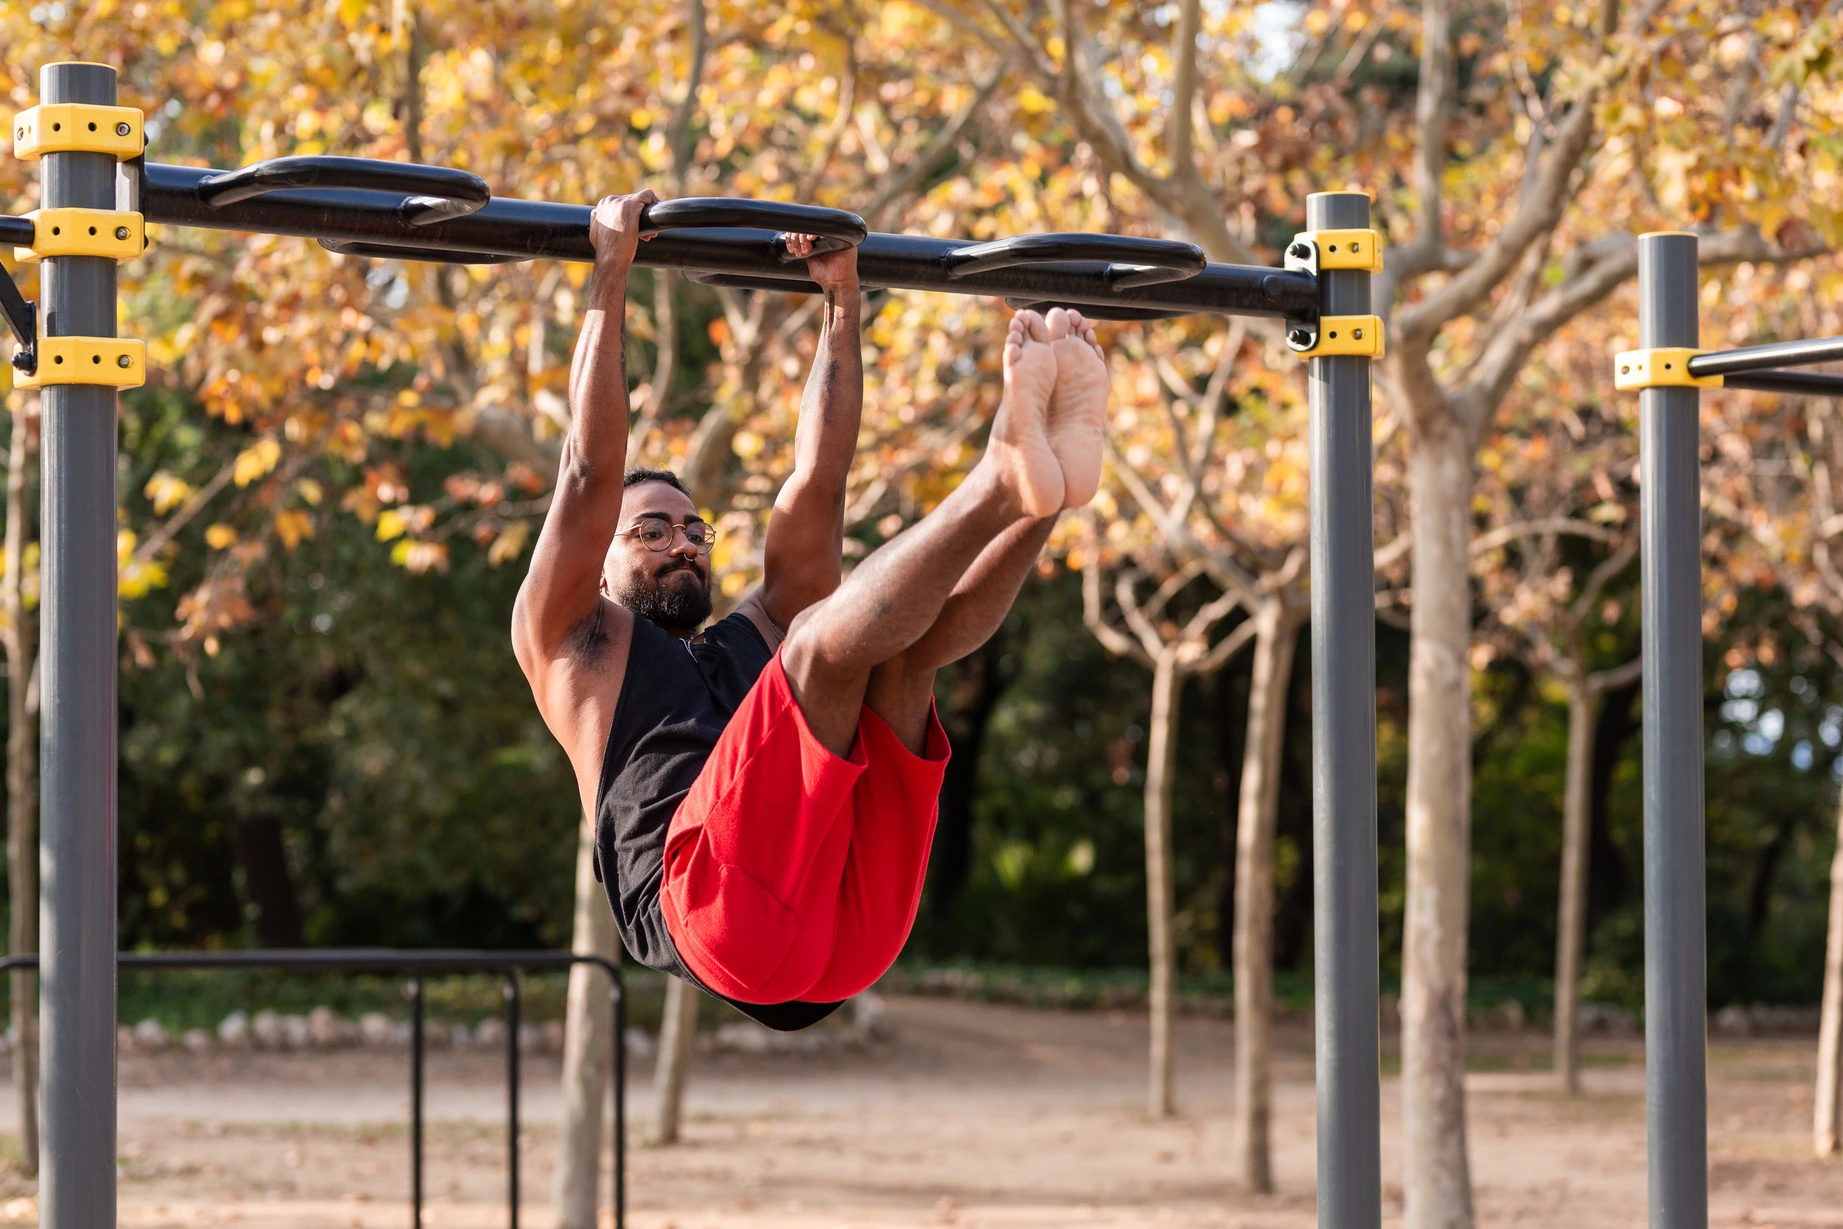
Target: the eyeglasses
(656, 533)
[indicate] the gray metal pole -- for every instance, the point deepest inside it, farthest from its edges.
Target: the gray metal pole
(77, 708)
(1676, 1102)
(1344, 870)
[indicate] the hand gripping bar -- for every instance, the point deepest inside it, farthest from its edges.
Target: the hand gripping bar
(430, 193)
(836, 229)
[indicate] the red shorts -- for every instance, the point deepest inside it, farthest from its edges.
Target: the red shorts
(792, 874)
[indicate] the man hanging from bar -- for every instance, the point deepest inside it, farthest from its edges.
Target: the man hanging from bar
(764, 789)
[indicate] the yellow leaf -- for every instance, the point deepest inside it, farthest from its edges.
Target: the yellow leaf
(220, 536)
(1033, 100)
(310, 492)
(166, 491)
(293, 526)
(390, 525)
(509, 544)
(255, 461)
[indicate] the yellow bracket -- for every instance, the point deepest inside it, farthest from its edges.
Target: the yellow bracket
(1339, 249)
(1353, 336)
(1661, 367)
(84, 232)
(75, 127)
(118, 362)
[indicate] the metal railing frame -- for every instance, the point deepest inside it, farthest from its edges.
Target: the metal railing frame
(418, 965)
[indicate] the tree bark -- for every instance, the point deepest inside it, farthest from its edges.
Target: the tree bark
(1161, 763)
(588, 1044)
(1827, 1119)
(676, 1029)
(20, 642)
(1256, 816)
(1571, 921)
(1437, 1188)
(268, 886)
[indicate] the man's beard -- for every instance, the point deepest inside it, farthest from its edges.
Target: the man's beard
(675, 607)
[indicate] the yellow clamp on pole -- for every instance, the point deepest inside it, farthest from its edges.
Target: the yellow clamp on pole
(1352, 336)
(1660, 367)
(1319, 250)
(109, 233)
(76, 127)
(117, 362)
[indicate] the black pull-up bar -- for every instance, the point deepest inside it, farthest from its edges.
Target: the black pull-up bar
(363, 207)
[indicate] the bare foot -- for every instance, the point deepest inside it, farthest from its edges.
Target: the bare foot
(1078, 408)
(1027, 464)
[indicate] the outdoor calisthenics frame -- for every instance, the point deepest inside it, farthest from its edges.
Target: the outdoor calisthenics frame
(97, 192)
(1669, 372)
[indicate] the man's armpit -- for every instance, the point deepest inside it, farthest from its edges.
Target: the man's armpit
(591, 637)
(757, 613)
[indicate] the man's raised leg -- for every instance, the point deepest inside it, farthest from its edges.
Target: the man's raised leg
(894, 597)
(901, 689)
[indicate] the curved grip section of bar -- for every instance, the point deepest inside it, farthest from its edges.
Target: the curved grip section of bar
(1130, 260)
(393, 251)
(837, 229)
(431, 193)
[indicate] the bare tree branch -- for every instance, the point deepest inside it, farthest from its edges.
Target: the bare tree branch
(1505, 534)
(1094, 617)
(157, 540)
(1602, 681)
(1226, 648)
(1184, 87)
(1127, 600)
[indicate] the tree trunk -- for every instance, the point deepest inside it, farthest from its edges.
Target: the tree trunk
(1827, 1120)
(1161, 763)
(588, 1044)
(268, 887)
(1571, 921)
(1256, 816)
(21, 796)
(676, 1029)
(1437, 1186)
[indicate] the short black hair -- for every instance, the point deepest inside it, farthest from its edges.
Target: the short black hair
(635, 477)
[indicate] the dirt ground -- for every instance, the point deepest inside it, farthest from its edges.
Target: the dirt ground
(972, 1115)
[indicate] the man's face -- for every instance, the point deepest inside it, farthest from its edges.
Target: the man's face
(671, 587)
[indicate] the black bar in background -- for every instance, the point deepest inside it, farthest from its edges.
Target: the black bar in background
(416, 1080)
(1794, 383)
(619, 1091)
(532, 229)
(438, 960)
(1773, 354)
(512, 1096)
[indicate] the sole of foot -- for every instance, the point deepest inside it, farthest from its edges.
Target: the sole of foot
(1019, 444)
(1077, 419)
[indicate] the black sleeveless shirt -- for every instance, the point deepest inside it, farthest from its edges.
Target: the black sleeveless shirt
(675, 701)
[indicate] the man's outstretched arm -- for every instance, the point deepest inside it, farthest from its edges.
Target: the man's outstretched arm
(807, 527)
(561, 591)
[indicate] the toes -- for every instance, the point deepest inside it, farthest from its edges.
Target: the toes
(1058, 323)
(1034, 325)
